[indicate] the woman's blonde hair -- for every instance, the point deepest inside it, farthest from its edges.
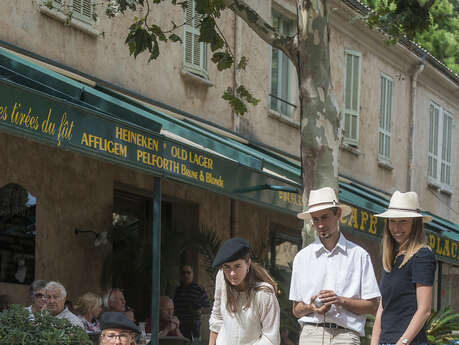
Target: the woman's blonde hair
(416, 241)
(87, 303)
(255, 275)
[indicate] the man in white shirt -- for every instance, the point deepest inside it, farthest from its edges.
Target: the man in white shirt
(333, 284)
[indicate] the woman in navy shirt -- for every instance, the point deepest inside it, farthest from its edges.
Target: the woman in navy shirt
(408, 276)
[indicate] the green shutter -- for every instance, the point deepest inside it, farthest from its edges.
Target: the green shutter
(445, 170)
(433, 141)
(352, 65)
(83, 10)
(194, 52)
(385, 118)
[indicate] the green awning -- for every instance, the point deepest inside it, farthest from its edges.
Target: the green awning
(129, 133)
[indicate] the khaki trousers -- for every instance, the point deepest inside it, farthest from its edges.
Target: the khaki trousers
(316, 335)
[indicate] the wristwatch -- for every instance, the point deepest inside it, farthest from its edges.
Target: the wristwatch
(405, 341)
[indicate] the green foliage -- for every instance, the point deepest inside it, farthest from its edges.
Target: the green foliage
(238, 99)
(400, 18)
(366, 340)
(16, 328)
(435, 27)
(440, 325)
(441, 39)
(223, 60)
(144, 37)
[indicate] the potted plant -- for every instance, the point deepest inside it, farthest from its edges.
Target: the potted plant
(18, 328)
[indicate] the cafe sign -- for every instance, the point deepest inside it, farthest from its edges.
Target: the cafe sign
(363, 221)
(444, 247)
(73, 127)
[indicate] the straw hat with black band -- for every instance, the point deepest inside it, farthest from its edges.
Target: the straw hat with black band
(404, 205)
(321, 199)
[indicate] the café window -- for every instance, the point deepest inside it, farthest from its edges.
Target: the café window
(449, 283)
(284, 247)
(17, 234)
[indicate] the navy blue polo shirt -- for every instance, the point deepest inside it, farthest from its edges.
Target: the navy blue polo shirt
(398, 292)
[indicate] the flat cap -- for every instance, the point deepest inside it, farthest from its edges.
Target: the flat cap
(118, 320)
(233, 249)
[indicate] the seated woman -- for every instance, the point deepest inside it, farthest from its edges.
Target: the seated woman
(37, 295)
(117, 329)
(88, 309)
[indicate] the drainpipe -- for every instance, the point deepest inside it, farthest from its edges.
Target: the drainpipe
(412, 132)
(236, 73)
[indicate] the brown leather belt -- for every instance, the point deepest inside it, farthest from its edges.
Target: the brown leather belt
(324, 325)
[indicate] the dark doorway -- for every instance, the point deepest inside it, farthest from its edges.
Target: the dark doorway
(131, 259)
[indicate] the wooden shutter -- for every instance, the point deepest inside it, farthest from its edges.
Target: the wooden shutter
(351, 97)
(194, 52)
(445, 167)
(434, 116)
(385, 118)
(83, 10)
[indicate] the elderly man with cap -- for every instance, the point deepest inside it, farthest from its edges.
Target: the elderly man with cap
(245, 310)
(333, 284)
(117, 328)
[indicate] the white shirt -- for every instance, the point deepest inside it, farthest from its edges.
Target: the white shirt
(256, 325)
(347, 270)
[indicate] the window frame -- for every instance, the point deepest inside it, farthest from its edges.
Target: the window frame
(285, 74)
(352, 140)
(385, 118)
(439, 154)
(193, 29)
(66, 7)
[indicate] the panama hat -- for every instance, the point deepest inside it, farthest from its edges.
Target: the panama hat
(321, 199)
(404, 205)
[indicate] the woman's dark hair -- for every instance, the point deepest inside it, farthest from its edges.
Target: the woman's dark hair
(254, 277)
(37, 285)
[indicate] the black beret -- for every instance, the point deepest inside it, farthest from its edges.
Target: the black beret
(233, 249)
(113, 319)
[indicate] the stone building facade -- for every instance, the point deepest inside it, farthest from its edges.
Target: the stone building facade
(399, 108)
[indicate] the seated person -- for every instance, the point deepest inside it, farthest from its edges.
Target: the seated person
(55, 303)
(114, 300)
(117, 329)
(169, 325)
(38, 296)
(88, 309)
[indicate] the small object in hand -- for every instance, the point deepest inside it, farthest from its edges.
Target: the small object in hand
(317, 302)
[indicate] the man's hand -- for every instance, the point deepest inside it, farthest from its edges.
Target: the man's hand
(329, 297)
(355, 305)
(321, 310)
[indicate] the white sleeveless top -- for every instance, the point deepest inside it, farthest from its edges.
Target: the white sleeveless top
(256, 325)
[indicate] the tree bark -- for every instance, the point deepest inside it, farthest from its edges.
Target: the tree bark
(318, 107)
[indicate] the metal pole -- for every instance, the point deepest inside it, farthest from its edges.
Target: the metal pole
(156, 261)
(439, 283)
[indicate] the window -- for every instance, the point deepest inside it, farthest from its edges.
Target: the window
(194, 52)
(283, 85)
(351, 97)
(385, 118)
(17, 235)
(440, 144)
(82, 10)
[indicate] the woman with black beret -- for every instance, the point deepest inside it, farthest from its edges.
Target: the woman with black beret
(245, 310)
(117, 329)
